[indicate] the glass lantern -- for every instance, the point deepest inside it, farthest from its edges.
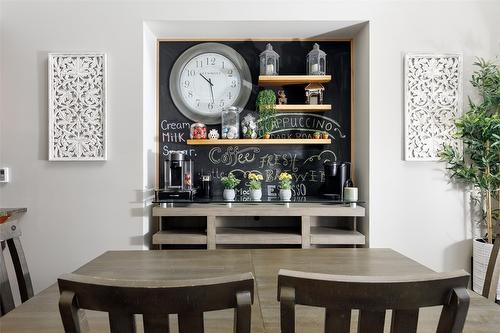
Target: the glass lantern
(269, 61)
(316, 61)
(231, 123)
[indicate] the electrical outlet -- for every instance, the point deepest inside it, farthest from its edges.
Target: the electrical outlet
(4, 175)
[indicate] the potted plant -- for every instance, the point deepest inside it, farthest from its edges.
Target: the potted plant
(4, 216)
(255, 186)
(229, 182)
(325, 135)
(266, 105)
(317, 135)
(478, 166)
(285, 186)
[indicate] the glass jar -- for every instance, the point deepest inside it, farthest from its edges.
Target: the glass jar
(249, 127)
(231, 123)
(198, 131)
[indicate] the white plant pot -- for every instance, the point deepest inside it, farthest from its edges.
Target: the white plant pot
(285, 195)
(255, 195)
(229, 194)
(481, 252)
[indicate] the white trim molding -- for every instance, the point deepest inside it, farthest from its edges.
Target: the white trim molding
(433, 100)
(77, 107)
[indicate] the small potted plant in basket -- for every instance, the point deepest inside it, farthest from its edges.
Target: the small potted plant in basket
(477, 166)
(317, 135)
(285, 186)
(325, 135)
(229, 182)
(255, 186)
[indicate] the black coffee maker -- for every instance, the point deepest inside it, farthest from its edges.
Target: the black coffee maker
(337, 176)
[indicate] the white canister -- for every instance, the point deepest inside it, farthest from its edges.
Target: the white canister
(350, 194)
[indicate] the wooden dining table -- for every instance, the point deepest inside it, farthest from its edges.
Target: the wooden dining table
(40, 314)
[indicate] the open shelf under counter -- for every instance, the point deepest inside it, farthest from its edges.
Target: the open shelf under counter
(180, 236)
(334, 236)
(303, 107)
(259, 142)
(284, 80)
(225, 235)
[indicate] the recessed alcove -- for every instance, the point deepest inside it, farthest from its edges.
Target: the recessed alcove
(355, 31)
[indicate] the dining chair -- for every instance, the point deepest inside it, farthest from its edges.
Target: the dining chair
(9, 234)
(372, 296)
(493, 270)
(155, 300)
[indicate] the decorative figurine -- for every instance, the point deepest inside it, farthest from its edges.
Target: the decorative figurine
(269, 61)
(282, 97)
(314, 93)
(213, 134)
(249, 127)
(316, 61)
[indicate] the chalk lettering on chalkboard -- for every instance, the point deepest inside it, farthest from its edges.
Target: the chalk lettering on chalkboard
(286, 122)
(233, 155)
(283, 160)
(188, 152)
(169, 126)
(319, 156)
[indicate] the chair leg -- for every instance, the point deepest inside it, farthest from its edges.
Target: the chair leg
(287, 310)
(243, 313)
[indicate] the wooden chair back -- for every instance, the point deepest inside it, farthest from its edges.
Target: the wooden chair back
(493, 270)
(372, 296)
(9, 237)
(155, 300)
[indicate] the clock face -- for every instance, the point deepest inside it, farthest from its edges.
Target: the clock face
(209, 82)
(207, 78)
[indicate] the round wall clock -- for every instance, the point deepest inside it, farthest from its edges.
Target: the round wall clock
(207, 78)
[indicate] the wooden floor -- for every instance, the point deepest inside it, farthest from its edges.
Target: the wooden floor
(40, 314)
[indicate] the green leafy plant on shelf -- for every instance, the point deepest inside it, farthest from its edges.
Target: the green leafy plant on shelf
(255, 180)
(478, 166)
(230, 181)
(285, 181)
(266, 105)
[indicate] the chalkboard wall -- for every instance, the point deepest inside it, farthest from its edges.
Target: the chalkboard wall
(305, 162)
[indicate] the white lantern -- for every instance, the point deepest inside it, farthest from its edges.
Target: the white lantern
(269, 61)
(316, 61)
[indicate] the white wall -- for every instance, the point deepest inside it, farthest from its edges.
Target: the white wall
(78, 210)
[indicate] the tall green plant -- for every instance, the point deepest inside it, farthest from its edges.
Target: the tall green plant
(266, 105)
(479, 130)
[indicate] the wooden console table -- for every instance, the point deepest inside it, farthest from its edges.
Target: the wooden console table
(213, 235)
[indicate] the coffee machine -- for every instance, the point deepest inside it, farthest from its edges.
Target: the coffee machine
(337, 176)
(177, 177)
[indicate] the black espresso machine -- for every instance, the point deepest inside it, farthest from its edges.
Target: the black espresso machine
(337, 176)
(177, 177)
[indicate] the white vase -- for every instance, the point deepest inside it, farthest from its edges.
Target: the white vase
(481, 252)
(256, 194)
(229, 194)
(285, 194)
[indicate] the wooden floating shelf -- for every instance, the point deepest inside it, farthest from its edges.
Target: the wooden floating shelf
(303, 107)
(260, 142)
(284, 80)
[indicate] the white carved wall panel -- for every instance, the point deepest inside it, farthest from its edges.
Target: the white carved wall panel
(433, 99)
(77, 107)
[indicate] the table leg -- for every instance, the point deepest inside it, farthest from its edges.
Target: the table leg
(306, 231)
(211, 233)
